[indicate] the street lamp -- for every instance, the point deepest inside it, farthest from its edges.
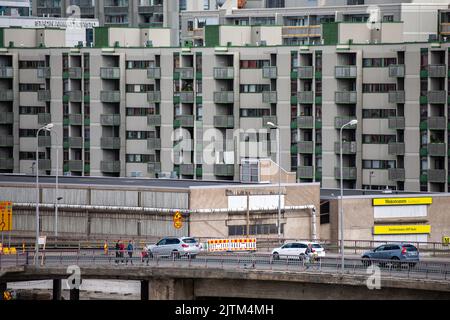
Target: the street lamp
(56, 182)
(271, 124)
(341, 209)
(47, 127)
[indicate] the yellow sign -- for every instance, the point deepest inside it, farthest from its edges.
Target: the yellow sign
(402, 229)
(401, 201)
(177, 220)
(445, 240)
(5, 215)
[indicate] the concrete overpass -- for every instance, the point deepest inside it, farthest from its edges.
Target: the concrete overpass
(162, 283)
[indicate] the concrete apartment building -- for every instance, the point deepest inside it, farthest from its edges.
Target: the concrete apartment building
(15, 8)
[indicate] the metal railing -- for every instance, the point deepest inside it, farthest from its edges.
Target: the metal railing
(223, 73)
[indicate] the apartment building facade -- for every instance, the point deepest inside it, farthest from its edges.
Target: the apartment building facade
(197, 113)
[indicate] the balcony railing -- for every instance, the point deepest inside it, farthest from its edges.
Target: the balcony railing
(154, 73)
(396, 96)
(44, 73)
(75, 119)
(187, 169)
(110, 96)
(6, 118)
(45, 164)
(436, 149)
(396, 123)
(6, 95)
(44, 141)
(184, 121)
(305, 147)
(305, 122)
(269, 97)
(75, 96)
(154, 119)
(396, 148)
(110, 73)
(75, 73)
(110, 142)
(6, 164)
(223, 73)
(110, 119)
(43, 95)
(154, 96)
(397, 70)
(6, 72)
(437, 175)
(223, 97)
(437, 123)
(44, 118)
(348, 147)
(438, 96)
(185, 73)
(340, 121)
(269, 72)
(154, 143)
(110, 166)
(6, 141)
(266, 119)
(437, 70)
(348, 173)
(153, 167)
(306, 97)
(186, 96)
(305, 172)
(306, 72)
(224, 121)
(76, 142)
(301, 31)
(396, 174)
(221, 169)
(345, 72)
(345, 97)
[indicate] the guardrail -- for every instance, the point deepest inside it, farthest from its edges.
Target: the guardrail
(256, 261)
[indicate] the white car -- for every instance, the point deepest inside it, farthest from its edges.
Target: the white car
(290, 250)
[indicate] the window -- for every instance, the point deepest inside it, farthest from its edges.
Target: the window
(378, 113)
(378, 164)
(378, 139)
(241, 230)
(136, 88)
(378, 87)
(389, 18)
(31, 110)
(254, 88)
(325, 212)
(254, 113)
(140, 112)
(378, 62)
(139, 135)
(254, 64)
(31, 87)
(31, 155)
(31, 64)
(140, 158)
(140, 64)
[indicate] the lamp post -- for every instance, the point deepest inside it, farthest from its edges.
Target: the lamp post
(47, 127)
(341, 209)
(56, 183)
(271, 124)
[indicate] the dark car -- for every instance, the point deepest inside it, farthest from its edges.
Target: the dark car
(394, 253)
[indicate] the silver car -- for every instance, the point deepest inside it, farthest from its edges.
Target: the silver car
(174, 247)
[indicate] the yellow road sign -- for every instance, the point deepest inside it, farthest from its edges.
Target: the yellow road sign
(445, 240)
(5, 216)
(177, 220)
(402, 229)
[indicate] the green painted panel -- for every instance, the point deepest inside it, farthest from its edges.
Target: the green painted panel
(101, 37)
(212, 35)
(330, 33)
(2, 38)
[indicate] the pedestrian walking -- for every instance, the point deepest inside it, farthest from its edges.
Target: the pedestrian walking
(122, 251)
(130, 249)
(117, 249)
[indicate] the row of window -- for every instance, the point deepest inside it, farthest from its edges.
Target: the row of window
(140, 64)
(378, 138)
(31, 87)
(140, 158)
(34, 64)
(137, 88)
(378, 87)
(241, 230)
(25, 155)
(31, 110)
(137, 112)
(378, 113)
(26, 133)
(140, 135)
(254, 64)
(378, 62)
(254, 113)
(254, 88)
(378, 164)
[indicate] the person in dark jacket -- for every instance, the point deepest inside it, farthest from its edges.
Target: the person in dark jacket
(130, 249)
(117, 248)
(122, 251)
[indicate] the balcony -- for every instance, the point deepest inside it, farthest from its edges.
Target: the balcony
(340, 121)
(345, 72)
(305, 72)
(269, 97)
(153, 167)
(305, 122)
(150, 8)
(305, 147)
(6, 164)
(184, 73)
(6, 72)
(306, 97)
(44, 118)
(396, 97)
(154, 73)
(266, 119)
(437, 71)
(44, 73)
(75, 73)
(223, 73)
(44, 141)
(348, 147)
(154, 96)
(185, 96)
(397, 70)
(6, 141)
(224, 121)
(396, 174)
(75, 96)
(110, 73)
(396, 123)
(110, 166)
(6, 95)
(436, 149)
(183, 121)
(43, 95)
(154, 143)
(348, 173)
(112, 143)
(75, 142)
(44, 164)
(75, 119)
(437, 123)
(396, 148)
(305, 172)
(345, 97)
(437, 175)
(225, 170)
(223, 97)
(110, 119)
(6, 118)
(110, 96)
(438, 96)
(154, 120)
(187, 169)
(269, 72)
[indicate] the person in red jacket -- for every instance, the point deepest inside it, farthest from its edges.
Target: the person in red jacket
(122, 251)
